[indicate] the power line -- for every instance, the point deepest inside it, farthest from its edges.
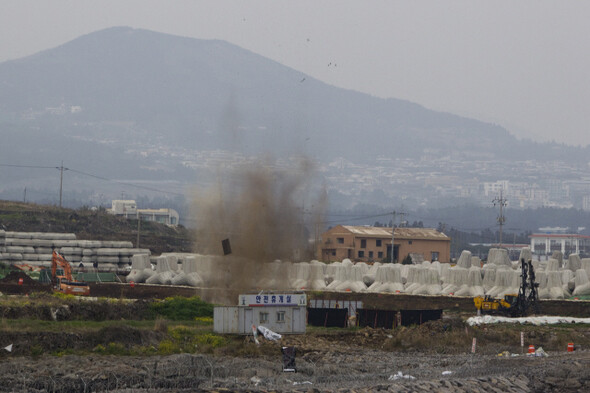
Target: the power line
(28, 166)
(61, 168)
(125, 183)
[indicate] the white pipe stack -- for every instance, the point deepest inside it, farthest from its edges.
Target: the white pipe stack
(35, 249)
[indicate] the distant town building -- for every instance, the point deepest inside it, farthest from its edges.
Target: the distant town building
(567, 243)
(373, 244)
(128, 209)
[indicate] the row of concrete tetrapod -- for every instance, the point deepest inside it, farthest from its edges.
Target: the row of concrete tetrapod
(499, 276)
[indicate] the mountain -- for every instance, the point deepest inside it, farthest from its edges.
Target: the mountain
(124, 102)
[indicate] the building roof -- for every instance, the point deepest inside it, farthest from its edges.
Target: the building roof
(400, 233)
(559, 235)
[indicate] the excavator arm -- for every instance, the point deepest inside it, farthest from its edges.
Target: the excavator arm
(65, 283)
(58, 260)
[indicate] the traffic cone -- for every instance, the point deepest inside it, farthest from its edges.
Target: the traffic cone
(531, 349)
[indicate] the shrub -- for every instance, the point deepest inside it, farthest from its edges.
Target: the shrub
(204, 320)
(211, 340)
(168, 347)
(182, 308)
(111, 349)
(180, 332)
(36, 350)
(63, 296)
(161, 325)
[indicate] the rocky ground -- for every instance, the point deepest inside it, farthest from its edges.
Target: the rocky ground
(359, 362)
(435, 356)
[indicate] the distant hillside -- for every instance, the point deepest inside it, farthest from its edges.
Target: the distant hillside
(93, 225)
(126, 105)
(125, 87)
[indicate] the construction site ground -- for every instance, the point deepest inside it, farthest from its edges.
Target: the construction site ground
(435, 356)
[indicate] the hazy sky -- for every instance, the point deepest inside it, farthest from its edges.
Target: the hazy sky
(522, 64)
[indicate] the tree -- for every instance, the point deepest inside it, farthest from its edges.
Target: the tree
(407, 260)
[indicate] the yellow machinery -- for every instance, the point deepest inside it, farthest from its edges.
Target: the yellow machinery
(515, 305)
(488, 304)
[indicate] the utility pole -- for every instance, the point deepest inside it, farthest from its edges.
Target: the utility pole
(138, 227)
(402, 223)
(25, 196)
(392, 235)
(61, 180)
(501, 219)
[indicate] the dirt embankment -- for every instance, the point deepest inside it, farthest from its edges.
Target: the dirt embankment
(93, 225)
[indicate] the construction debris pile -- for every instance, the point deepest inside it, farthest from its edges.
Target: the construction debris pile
(557, 278)
(34, 249)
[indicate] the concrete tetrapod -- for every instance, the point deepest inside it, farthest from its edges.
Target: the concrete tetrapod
(457, 279)
(573, 263)
(387, 279)
(316, 278)
(141, 269)
(474, 284)
(499, 257)
(330, 272)
(429, 282)
(163, 273)
(353, 279)
(371, 274)
(465, 259)
(582, 283)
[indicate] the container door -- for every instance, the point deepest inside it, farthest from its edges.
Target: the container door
(248, 321)
(296, 321)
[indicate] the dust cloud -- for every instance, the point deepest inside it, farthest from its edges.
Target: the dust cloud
(261, 208)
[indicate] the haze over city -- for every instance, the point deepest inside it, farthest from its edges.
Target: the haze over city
(520, 65)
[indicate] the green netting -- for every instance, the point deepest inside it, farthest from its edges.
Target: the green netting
(97, 277)
(45, 276)
(585, 297)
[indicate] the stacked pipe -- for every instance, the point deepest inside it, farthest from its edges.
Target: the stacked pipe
(35, 249)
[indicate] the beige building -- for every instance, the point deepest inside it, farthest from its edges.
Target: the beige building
(373, 244)
(128, 209)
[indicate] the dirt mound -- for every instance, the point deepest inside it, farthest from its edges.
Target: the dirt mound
(15, 276)
(12, 284)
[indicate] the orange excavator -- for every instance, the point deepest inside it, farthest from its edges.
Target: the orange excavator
(61, 277)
